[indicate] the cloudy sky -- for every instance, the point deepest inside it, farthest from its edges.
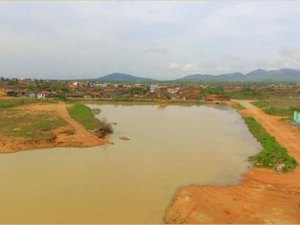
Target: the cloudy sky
(162, 40)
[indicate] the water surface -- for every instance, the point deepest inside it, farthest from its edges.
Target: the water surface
(131, 181)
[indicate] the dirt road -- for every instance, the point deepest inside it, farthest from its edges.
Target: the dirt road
(263, 196)
(81, 137)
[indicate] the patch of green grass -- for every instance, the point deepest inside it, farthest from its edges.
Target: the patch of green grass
(277, 109)
(96, 111)
(246, 94)
(27, 125)
(7, 103)
(85, 116)
(238, 106)
(273, 155)
(261, 104)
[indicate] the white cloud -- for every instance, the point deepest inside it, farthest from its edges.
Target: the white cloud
(173, 66)
(284, 58)
(158, 39)
(191, 68)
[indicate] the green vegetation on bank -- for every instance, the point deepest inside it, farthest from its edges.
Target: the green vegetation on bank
(273, 155)
(33, 125)
(85, 116)
(6, 103)
(134, 101)
(276, 109)
(238, 106)
(261, 104)
(247, 93)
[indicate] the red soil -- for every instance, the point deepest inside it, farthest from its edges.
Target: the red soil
(79, 137)
(263, 196)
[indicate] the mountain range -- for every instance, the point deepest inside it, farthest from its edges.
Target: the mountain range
(123, 77)
(255, 75)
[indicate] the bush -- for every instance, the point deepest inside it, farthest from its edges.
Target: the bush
(96, 111)
(276, 110)
(273, 155)
(84, 115)
(7, 103)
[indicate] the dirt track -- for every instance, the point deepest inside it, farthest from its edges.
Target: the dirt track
(263, 197)
(79, 137)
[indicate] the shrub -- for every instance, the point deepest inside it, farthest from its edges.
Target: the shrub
(84, 115)
(273, 155)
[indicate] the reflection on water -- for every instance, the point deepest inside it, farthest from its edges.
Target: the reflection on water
(131, 181)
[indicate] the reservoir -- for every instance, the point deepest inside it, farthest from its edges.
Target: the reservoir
(130, 181)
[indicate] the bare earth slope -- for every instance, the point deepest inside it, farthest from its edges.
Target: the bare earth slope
(71, 135)
(263, 196)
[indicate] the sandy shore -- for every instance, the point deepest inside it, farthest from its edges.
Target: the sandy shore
(80, 137)
(262, 197)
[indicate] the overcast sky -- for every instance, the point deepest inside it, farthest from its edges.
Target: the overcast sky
(157, 39)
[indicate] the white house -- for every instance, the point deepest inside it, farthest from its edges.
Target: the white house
(41, 96)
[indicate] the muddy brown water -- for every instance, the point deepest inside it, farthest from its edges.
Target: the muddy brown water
(131, 181)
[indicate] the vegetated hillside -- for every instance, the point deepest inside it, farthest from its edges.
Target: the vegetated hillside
(123, 77)
(256, 75)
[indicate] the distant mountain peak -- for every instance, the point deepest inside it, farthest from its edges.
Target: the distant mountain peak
(257, 72)
(123, 77)
(255, 75)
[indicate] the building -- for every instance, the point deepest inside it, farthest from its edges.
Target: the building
(2, 93)
(172, 91)
(153, 88)
(32, 95)
(41, 95)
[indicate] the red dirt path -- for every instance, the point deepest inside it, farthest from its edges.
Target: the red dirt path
(79, 137)
(263, 196)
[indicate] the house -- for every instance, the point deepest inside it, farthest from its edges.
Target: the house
(172, 91)
(75, 95)
(13, 93)
(72, 86)
(238, 89)
(2, 93)
(25, 81)
(153, 88)
(32, 95)
(41, 95)
(104, 85)
(189, 93)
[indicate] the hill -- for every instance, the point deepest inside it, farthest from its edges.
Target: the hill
(123, 77)
(256, 75)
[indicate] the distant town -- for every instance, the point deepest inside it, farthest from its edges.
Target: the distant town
(151, 90)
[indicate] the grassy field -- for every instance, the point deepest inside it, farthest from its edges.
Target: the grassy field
(238, 106)
(279, 106)
(29, 125)
(273, 155)
(85, 116)
(246, 94)
(12, 102)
